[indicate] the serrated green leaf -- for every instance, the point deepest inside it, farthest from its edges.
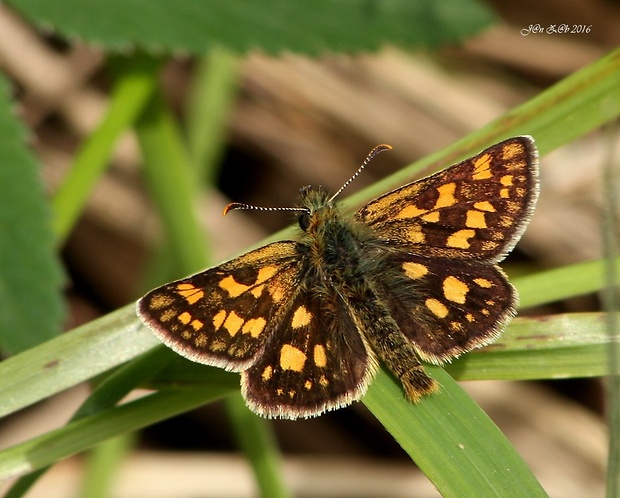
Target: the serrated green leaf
(31, 308)
(310, 26)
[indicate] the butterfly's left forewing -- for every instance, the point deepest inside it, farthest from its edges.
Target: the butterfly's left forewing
(223, 316)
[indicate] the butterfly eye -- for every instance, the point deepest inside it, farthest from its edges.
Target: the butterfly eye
(304, 221)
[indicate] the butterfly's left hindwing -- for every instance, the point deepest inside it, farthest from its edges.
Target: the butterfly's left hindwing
(316, 360)
(223, 316)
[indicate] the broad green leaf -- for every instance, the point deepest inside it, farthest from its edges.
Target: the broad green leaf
(311, 26)
(31, 308)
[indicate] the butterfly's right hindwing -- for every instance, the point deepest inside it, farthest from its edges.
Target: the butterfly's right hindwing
(223, 316)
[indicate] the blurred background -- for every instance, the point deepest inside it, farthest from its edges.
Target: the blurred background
(291, 121)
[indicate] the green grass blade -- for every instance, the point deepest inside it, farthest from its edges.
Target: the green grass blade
(560, 283)
(94, 429)
(110, 341)
(255, 437)
(611, 303)
(135, 84)
(72, 358)
(103, 464)
(578, 104)
(171, 182)
(107, 393)
(452, 440)
(548, 347)
(211, 102)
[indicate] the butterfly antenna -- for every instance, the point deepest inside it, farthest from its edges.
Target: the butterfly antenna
(239, 205)
(377, 150)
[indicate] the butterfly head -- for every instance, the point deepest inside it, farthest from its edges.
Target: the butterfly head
(316, 205)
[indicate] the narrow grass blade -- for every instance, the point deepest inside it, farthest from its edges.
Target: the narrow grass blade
(452, 440)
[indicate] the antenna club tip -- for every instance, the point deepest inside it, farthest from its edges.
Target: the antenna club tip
(378, 149)
(231, 207)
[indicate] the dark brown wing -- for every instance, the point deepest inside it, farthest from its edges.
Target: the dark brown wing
(316, 360)
(447, 307)
(477, 209)
(224, 315)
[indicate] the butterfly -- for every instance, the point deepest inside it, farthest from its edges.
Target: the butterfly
(410, 277)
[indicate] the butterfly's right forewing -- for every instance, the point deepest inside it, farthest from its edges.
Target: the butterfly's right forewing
(476, 209)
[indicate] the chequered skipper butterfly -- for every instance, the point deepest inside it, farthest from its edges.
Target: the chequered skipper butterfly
(411, 276)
